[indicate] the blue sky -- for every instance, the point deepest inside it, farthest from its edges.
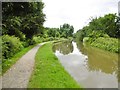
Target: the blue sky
(76, 12)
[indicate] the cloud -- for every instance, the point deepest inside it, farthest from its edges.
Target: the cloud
(76, 12)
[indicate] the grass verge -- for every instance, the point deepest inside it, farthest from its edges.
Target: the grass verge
(9, 62)
(48, 72)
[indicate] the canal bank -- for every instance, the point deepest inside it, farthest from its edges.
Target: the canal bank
(48, 71)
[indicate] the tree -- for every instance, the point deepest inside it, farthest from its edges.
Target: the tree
(22, 17)
(66, 30)
(105, 26)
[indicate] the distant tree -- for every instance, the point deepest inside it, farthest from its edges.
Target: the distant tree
(66, 30)
(105, 26)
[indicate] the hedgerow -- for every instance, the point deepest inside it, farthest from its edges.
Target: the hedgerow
(10, 46)
(109, 44)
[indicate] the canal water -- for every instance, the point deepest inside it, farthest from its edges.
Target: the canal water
(90, 67)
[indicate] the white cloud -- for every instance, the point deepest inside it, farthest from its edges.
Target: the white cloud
(76, 12)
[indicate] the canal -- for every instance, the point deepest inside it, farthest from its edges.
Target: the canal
(90, 67)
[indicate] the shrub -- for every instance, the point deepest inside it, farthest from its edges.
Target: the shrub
(86, 39)
(10, 46)
(25, 43)
(70, 38)
(48, 39)
(38, 39)
(106, 35)
(110, 44)
(30, 42)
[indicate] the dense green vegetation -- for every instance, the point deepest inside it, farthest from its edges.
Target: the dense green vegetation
(102, 32)
(10, 46)
(65, 31)
(22, 26)
(110, 44)
(22, 19)
(11, 61)
(48, 72)
(20, 22)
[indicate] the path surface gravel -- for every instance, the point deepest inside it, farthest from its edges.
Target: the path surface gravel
(18, 75)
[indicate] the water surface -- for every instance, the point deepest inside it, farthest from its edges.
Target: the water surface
(90, 67)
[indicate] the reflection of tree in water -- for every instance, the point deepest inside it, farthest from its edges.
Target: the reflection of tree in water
(81, 47)
(99, 60)
(65, 47)
(102, 60)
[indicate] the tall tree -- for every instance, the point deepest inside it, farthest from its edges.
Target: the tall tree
(24, 17)
(66, 30)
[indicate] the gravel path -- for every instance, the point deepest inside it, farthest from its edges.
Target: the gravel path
(18, 75)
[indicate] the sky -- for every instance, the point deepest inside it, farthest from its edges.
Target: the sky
(76, 12)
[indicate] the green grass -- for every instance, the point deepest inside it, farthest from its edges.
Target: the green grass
(48, 72)
(9, 62)
(109, 44)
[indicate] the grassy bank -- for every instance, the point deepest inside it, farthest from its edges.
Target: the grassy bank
(109, 44)
(48, 72)
(9, 62)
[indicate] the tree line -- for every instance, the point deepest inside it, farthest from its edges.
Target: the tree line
(22, 19)
(22, 26)
(64, 31)
(102, 32)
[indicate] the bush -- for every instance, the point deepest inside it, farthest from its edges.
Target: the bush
(106, 36)
(48, 39)
(38, 39)
(30, 42)
(70, 38)
(86, 39)
(110, 44)
(10, 46)
(25, 43)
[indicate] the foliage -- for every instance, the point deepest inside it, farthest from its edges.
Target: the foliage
(22, 19)
(12, 27)
(11, 61)
(48, 72)
(32, 26)
(86, 39)
(99, 27)
(105, 28)
(106, 24)
(66, 30)
(20, 22)
(110, 44)
(10, 46)
(79, 35)
(53, 32)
